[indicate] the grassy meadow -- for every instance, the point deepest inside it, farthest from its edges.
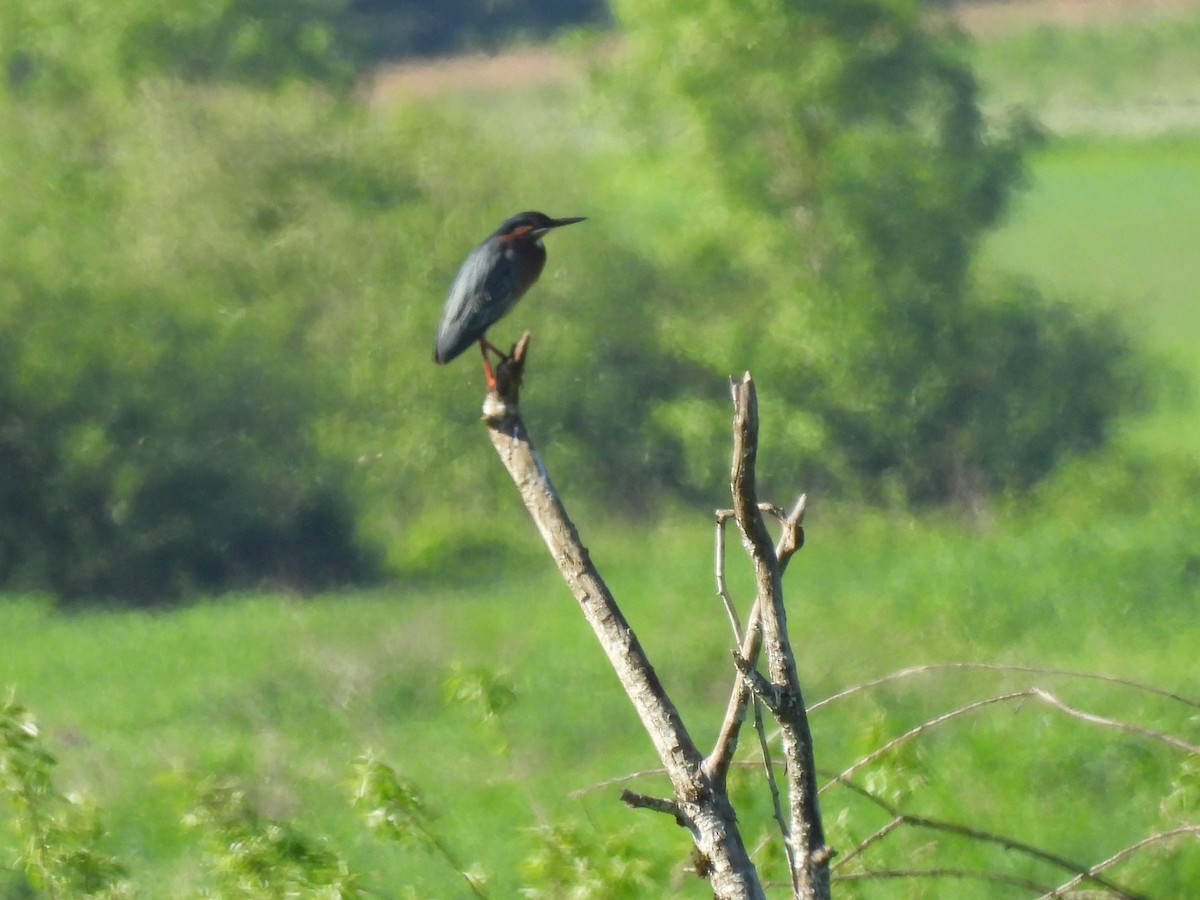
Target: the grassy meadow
(1097, 571)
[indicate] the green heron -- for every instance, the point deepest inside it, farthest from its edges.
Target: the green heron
(493, 278)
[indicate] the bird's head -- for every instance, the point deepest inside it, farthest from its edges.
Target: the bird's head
(531, 225)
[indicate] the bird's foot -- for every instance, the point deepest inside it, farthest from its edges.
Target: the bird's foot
(510, 368)
(501, 402)
(506, 374)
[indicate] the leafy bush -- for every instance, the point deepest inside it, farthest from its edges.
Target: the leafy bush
(400, 28)
(81, 47)
(191, 468)
(163, 402)
(60, 837)
(248, 41)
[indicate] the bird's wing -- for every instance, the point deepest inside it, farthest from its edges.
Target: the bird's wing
(483, 291)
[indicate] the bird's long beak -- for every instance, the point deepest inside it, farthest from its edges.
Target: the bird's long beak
(559, 223)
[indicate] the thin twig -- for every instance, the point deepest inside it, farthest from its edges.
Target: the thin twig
(1031, 693)
(969, 874)
(792, 537)
(613, 782)
(764, 747)
(921, 729)
(976, 834)
(723, 516)
(1093, 719)
(1121, 855)
(876, 836)
(703, 804)
(999, 667)
(636, 800)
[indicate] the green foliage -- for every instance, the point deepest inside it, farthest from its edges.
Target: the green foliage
(276, 694)
(1131, 74)
(487, 694)
(185, 463)
(395, 811)
(248, 41)
(256, 858)
(575, 863)
(848, 177)
(162, 403)
(998, 398)
(491, 693)
(70, 50)
(404, 28)
(1182, 805)
(59, 836)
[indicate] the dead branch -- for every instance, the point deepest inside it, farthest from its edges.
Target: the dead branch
(999, 667)
(886, 748)
(899, 818)
(1104, 722)
(1170, 836)
(959, 874)
(635, 800)
(791, 539)
(805, 833)
(723, 516)
(703, 806)
(1028, 694)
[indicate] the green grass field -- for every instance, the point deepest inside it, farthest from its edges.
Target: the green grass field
(1111, 223)
(281, 694)
(1098, 572)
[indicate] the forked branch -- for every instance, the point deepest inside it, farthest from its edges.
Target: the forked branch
(779, 689)
(699, 804)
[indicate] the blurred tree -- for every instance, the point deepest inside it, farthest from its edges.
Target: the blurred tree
(161, 405)
(77, 48)
(249, 41)
(848, 176)
(389, 29)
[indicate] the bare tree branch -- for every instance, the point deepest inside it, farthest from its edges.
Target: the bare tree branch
(886, 748)
(1028, 694)
(899, 817)
(1104, 722)
(961, 874)
(791, 540)
(999, 667)
(635, 800)
(810, 856)
(1162, 836)
(703, 805)
(723, 516)
(613, 782)
(873, 838)
(700, 803)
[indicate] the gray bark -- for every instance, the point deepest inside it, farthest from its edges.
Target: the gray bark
(700, 801)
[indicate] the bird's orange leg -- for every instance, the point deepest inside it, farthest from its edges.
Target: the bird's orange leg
(488, 345)
(488, 373)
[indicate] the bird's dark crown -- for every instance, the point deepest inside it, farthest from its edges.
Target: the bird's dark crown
(534, 223)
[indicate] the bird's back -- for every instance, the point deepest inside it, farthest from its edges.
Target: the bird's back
(487, 286)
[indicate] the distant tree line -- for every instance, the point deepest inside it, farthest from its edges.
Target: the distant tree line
(219, 276)
(390, 29)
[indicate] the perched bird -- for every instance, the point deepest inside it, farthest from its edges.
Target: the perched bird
(493, 278)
